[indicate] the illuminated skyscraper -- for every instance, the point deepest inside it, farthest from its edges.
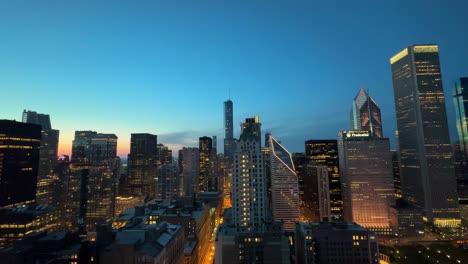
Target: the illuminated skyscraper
(325, 152)
(48, 154)
(229, 141)
(367, 179)
(460, 98)
(365, 114)
(284, 186)
(142, 165)
(19, 162)
(90, 198)
(205, 183)
(249, 199)
(426, 166)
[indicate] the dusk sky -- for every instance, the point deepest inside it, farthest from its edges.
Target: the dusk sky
(165, 67)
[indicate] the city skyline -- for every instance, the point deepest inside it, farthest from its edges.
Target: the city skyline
(148, 61)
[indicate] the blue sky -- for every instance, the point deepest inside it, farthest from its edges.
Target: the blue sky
(165, 67)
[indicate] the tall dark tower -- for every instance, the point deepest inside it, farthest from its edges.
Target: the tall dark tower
(228, 117)
(19, 162)
(365, 114)
(142, 164)
(229, 141)
(205, 183)
(426, 166)
(48, 154)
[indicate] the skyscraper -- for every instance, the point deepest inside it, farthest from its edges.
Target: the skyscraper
(249, 199)
(460, 98)
(48, 154)
(325, 152)
(103, 147)
(189, 165)
(90, 198)
(284, 186)
(142, 164)
(367, 179)
(164, 155)
(229, 141)
(365, 114)
(205, 181)
(426, 167)
(81, 146)
(19, 162)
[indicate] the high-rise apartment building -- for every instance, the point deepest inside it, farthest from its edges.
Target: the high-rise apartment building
(365, 114)
(367, 179)
(142, 165)
(205, 179)
(19, 162)
(284, 186)
(426, 166)
(48, 154)
(325, 152)
(229, 141)
(249, 199)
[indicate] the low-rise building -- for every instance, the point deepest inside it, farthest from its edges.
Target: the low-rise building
(335, 242)
(142, 243)
(20, 221)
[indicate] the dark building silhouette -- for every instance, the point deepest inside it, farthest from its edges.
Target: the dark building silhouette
(19, 162)
(48, 155)
(229, 141)
(142, 164)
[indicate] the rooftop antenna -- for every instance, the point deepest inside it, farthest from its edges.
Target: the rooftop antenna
(229, 93)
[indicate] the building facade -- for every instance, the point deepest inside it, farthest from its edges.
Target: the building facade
(367, 180)
(336, 242)
(205, 179)
(325, 152)
(426, 165)
(19, 162)
(460, 99)
(142, 165)
(284, 186)
(249, 199)
(48, 155)
(189, 166)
